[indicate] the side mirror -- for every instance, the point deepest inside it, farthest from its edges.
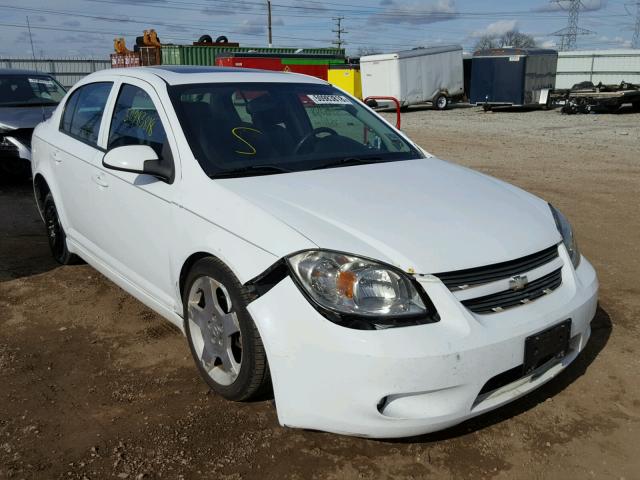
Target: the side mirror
(140, 159)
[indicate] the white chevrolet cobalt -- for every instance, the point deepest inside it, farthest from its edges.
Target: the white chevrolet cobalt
(303, 243)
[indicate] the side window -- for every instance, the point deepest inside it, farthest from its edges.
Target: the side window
(136, 121)
(69, 110)
(84, 110)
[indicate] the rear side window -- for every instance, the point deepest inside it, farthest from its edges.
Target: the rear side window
(136, 121)
(83, 112)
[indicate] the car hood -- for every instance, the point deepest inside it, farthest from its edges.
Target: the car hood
(24, 117)
(426, 215)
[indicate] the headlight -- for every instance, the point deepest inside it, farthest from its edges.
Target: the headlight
(568, 237)
(358, 292)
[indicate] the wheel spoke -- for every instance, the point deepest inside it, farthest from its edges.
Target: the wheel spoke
(229, 364)
(230, 324)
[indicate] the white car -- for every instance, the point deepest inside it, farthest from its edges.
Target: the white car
(302, 242)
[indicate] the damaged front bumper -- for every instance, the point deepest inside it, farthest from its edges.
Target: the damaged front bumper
(413, 380)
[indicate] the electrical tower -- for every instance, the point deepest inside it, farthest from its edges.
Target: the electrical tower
(569, 34)
(339, 31)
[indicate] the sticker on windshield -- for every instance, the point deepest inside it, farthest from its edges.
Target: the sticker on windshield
(42, 81)
(329, 99)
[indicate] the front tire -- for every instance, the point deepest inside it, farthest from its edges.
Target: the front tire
(55, 234)
(223, 339)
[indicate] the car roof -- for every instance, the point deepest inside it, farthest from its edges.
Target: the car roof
(185, 74)
(15, 71)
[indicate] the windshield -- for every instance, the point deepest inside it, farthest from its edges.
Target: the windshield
(29, 90)
(264, 128)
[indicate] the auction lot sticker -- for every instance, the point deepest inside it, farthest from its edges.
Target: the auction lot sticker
(329, 99)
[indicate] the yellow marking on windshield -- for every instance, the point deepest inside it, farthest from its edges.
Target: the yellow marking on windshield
(253, 150)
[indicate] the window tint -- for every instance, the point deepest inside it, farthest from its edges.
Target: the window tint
(69, 110)
(136, 121)
(82, 116)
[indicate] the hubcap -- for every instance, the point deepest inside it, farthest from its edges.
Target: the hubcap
(214, 330)
(442, 102)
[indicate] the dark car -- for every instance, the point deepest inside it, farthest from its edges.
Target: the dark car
(26, 99)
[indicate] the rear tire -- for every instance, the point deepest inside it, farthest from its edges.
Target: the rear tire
(441, 102)
(55, 234)
(223, 339)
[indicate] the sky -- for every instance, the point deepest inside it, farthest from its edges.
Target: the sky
(86, 28)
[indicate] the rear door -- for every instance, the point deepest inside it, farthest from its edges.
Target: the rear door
(73, 157)
(137, 211)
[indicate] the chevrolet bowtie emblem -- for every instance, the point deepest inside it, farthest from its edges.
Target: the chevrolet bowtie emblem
(519, 282)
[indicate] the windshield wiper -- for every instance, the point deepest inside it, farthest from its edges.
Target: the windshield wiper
(250, 171)
(349, 161)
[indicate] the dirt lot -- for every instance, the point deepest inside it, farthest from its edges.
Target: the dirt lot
(93, 384)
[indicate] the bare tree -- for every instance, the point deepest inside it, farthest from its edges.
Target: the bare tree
(363, 51)
(486, 42)
(516, 39)
(512, 38)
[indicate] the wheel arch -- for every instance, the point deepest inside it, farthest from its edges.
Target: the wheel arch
(186, 268)
(40, 190)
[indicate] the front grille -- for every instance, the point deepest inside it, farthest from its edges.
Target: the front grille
(500, 301)
(462, 279)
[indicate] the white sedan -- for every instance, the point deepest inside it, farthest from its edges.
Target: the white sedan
(304, 244)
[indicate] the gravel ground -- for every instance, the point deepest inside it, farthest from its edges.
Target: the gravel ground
(94, 385)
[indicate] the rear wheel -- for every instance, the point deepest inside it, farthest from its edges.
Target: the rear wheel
(441, 102)
(222, 336)
(55, 234)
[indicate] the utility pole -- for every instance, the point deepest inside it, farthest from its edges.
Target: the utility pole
(569, 34)
(269, 20)
(339, 31)
(636, 33)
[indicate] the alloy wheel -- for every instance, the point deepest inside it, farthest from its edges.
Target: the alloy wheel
(215, 330)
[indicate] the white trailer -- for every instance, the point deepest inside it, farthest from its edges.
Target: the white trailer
(433, 74)
(609, 67)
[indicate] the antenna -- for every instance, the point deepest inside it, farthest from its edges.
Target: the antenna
(635, 43)
(570, 33)
(339, 31)
(35, 64)
(33, 50)
(269, 23)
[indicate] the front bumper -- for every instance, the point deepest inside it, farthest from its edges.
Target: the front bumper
(414, 380)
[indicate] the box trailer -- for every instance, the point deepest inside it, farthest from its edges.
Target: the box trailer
(512, 77)
(433, 74)
(608, 67)
(347, 77)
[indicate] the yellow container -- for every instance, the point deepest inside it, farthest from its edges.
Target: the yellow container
(346, 77)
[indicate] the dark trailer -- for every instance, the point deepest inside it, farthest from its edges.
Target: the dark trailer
(512, 77)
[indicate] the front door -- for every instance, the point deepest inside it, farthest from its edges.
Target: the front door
(137, 211)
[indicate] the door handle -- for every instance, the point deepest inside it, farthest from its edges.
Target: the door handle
(99, 179)
(57, 156)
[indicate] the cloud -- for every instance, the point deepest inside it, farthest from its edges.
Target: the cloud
(256, 26)
(414, 13)
(615, 41)
(71, 23)
(587, 6)
(496, 29)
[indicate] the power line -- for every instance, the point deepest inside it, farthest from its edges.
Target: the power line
(339, 31)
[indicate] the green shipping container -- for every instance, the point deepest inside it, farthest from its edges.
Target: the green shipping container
(206, 55)
(312, 61)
